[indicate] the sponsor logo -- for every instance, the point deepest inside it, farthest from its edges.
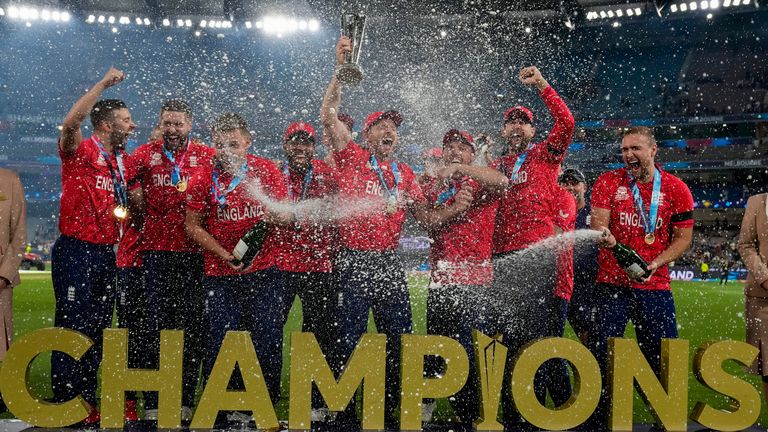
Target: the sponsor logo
(101, 161)
(564, 215)
(156, 159)
(234, 214)
(589, 220)
(621, 194)
(683, 275)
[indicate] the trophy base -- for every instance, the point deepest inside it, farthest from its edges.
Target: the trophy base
(349, 74)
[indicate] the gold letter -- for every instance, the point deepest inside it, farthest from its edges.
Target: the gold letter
(667, 400)
(236, 350)
(366, 366)
(414, 386)
(116, 378)
(13, 378)
(707, 365)
(586, 380)
(491, 358)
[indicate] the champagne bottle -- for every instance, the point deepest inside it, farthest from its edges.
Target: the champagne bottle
(632, 263)
(250, 245)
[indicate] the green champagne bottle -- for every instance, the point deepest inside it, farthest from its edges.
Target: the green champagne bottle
(632, 263)
(250, 245)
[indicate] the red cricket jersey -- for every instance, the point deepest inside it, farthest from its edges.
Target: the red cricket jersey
(164, 204)
(88, 195)
(612, 192)
(378, 230)
(130, 247)
(524, 215)
(308, 246)
(227, 225)
(564, 217)
(461, 252)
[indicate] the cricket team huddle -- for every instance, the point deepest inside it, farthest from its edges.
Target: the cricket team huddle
(177, 209)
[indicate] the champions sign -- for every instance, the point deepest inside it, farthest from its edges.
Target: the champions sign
(667, 397)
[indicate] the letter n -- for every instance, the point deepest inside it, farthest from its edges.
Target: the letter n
(666, 399)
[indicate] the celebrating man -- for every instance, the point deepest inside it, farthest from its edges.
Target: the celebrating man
(524, 280)
(93, 201)
(650, 211)
(173, 266)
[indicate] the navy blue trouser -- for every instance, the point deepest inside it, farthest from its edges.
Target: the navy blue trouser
(525, 309)
(553, 375)
(374, 281)
(130, 309)
(653, 314)
(252, 302)
(581, 311)
(174, 299)
(83, 276)
(454, 311)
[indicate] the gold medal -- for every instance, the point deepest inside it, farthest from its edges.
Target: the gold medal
(120, 212)
(181, 186)
(650, 238)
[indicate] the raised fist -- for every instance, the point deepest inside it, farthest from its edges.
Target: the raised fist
(531, 76)
(112, 77)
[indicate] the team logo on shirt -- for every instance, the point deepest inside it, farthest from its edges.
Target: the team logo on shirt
(193, 161)
(156, 159)
(622, 193)
(661, 198)
(564, 215)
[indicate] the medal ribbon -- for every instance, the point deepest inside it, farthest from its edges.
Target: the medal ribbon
(649, 220)
(176, 171)
(118, 178)
(216, 188)
(446, 195)
(304, 185)
(519, 163)
(392, 193)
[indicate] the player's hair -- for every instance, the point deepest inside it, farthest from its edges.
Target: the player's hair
(640, 130)
(176, 105)
(229, 122)
(104, 110)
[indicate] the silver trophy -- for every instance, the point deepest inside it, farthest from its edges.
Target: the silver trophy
(353, 27)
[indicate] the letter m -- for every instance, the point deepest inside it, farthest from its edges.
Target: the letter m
(365, 369)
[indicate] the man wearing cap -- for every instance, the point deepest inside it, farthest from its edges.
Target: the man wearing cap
(524, 284)
(307, 249)
(371, 275)
(460, 257)
(581, 310)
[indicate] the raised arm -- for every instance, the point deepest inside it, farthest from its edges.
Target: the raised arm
(337, 132)
(71, 136)
(489, 178)
(562, 132)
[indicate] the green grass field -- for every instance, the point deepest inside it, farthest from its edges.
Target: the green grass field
(706, 311)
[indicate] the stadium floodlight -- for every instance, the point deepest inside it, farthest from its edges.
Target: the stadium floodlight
(227, 24)
(124, 20)
(603, 14)
(704, 4)
(166, 22)
(616, 24)
(259, 25)
(736, 2)
(709, 16)
(314, 25)
(179, 22)
(726, 3)
(693, 5)
(101, 19)
(610, 14)
(147, 21)
(683, 7)
(638, 11)
(714, 4)
(2, 12)
(13, 12)
(197, 33)
(248, 24)
(673, 8)
(303, 25)
(91, 19)
(188, 22)
(114, 29)
(203, 23)
(619, 13)
(630, 12)
(111, 19)
(744, 2)
(45, 15)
